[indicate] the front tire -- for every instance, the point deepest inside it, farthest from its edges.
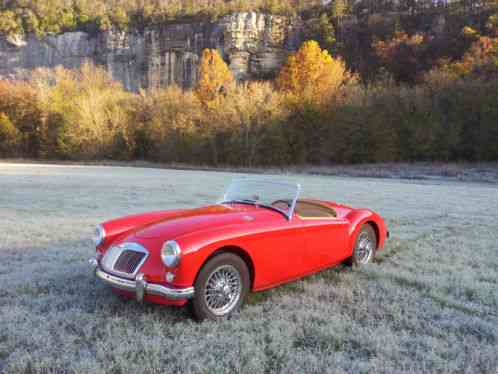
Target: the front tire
(221, 287)
(365, 246)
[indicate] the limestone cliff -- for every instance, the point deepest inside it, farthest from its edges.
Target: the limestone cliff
(254, 45)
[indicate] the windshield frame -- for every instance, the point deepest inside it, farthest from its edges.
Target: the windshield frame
(289, 214)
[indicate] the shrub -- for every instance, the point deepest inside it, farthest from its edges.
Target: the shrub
(86, 113)
(169, 126)
(83, 114)
(246, 117)
(19, 101)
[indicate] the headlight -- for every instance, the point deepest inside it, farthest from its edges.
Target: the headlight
(171, 253)
(99, 235)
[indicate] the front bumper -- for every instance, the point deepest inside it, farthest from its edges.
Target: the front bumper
(141, 287)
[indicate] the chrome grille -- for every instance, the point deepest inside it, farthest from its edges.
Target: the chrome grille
(128, 261)
(124, 260)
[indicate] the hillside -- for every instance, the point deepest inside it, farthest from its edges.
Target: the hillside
(150, 44)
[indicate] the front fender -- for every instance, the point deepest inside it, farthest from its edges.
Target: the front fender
(119, 227)
(202, 245)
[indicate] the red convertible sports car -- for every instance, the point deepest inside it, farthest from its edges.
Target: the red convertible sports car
(260, 235)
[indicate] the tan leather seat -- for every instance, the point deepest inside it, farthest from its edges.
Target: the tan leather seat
(309, 209)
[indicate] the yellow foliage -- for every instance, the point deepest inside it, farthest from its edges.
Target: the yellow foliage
(215, 78)
(311, 74)
(9, 135)
(86, 110)
(481, 57)
(469, 32)
(170, 116)
(248, 113)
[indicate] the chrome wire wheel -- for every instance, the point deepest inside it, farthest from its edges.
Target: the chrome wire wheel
(364, 249)
(223, 290)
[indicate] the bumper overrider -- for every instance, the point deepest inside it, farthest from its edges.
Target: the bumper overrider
(140, 287)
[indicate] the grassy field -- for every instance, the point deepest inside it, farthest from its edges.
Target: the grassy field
(429, 303)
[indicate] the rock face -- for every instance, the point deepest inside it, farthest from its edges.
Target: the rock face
(254, 45)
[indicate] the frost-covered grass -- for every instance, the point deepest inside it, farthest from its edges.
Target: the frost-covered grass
(429, 303)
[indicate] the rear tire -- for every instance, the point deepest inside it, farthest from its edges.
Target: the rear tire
(221, 287)
(365, 247)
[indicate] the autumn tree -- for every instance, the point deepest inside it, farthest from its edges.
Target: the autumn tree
(310, 78)
(214, 81)
(215, 77)
(311, 74)
(402, 56)
(254, 108)
(9, 23)
(325, 32)
(9, 135)
(86, 112)
(19, 102)
(480, 59)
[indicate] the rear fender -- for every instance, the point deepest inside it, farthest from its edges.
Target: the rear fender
(358, 218)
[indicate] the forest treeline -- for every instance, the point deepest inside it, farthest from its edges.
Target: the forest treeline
(315, 112)
(54, 16)
(402, 88)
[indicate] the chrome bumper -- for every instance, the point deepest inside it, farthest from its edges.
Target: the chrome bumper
(140, 286)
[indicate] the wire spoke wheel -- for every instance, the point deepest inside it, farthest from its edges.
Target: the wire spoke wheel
(221, 287)
(223, 290)
(365, 248)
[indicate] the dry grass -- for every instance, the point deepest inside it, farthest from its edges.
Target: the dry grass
(428, 304)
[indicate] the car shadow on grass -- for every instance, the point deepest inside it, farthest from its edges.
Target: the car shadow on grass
(331, 275)
(58, 279)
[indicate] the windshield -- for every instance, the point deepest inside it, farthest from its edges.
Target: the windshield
(281, 196)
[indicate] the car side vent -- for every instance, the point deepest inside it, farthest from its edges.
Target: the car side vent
(128, 261)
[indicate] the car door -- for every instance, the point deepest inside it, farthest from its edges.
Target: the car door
(326, 241)
(279, 252)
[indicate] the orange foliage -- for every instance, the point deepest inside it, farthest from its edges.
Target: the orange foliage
(482, 57)
(214, 77)
(311, 74)
(401, 55)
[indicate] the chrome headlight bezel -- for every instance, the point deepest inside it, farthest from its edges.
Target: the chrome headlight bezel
(171, 253)
(99, 235)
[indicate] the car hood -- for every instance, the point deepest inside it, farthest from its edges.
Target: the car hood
(215, 216)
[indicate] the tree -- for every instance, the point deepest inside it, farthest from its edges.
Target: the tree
(338, 9)
(311, 74)
(214, 81)
(86, 111)
(9, 24)
(403, 56)
(480, 59)
(324, 31)
(9, 136)
(215, 77)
